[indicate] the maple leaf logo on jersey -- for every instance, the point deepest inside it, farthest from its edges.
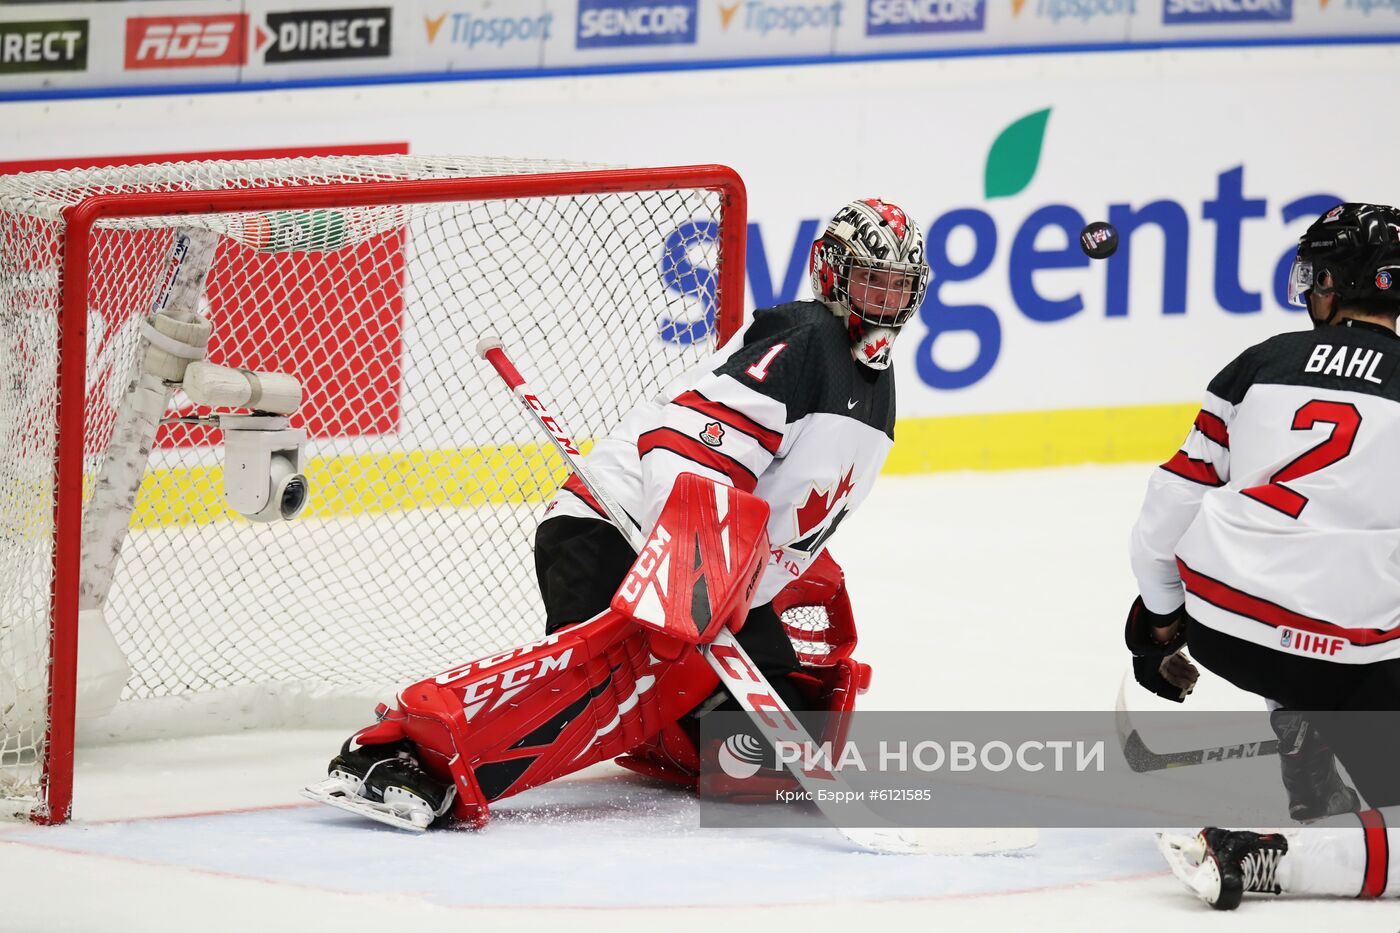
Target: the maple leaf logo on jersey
(713, 434)
(821, 502)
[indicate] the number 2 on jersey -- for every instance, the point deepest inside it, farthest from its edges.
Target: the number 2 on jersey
(1345, 419)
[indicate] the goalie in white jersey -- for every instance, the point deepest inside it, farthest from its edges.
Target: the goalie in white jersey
(796, 410)
(1270, 545)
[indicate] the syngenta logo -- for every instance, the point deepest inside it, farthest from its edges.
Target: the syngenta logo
(965, 242)
(471, 31)
(1182, 12)
(611, 23)
(1080, 10)
(899, 17)
(789, 18)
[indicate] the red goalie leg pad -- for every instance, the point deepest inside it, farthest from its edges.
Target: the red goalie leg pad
(672, 755)
(512, 721)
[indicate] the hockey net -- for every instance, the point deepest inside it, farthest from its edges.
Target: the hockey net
(370, 279)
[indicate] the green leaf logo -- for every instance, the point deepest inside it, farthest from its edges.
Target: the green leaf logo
(1015, 155)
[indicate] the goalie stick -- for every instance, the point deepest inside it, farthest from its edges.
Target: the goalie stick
(724, 653)
(1141, 758)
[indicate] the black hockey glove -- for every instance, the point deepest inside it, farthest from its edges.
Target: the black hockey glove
(1160, 666)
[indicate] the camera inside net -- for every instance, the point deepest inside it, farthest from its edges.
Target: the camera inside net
(263, 478)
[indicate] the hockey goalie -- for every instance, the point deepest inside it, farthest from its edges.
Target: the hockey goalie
(741, 471)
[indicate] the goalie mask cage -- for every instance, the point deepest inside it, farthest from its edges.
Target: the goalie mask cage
(369, 279)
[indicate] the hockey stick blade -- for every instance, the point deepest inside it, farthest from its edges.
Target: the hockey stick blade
(1141, 758)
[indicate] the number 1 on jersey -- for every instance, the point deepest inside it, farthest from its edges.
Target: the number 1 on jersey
(1345, 419)
(759, 370)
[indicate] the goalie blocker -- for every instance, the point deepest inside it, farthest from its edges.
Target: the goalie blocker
(623, 683)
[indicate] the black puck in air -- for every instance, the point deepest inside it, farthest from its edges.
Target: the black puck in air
(1099, 240)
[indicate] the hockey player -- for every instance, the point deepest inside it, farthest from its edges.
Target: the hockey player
(796, 409)
(1270, 545)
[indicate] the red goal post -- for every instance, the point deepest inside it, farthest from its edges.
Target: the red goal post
(591, 204)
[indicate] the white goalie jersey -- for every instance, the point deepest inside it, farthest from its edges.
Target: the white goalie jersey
(782, 410)
(1278, 520)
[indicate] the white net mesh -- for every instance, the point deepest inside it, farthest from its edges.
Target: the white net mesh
(416, 549)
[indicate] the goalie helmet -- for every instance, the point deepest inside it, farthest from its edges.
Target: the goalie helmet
(1352, 251)
(868, 267)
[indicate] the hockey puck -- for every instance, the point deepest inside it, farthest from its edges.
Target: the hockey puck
(1099, 240)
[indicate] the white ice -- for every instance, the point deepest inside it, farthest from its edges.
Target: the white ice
(993, 591)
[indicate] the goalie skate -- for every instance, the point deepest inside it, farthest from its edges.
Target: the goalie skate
(384, 783)
(411, 813)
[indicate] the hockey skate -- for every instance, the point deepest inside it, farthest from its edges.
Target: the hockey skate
(1220, 865)
(384, 783)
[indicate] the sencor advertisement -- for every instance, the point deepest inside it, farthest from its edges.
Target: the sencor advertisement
(900, 17)
(1226, 11)
(609, 23)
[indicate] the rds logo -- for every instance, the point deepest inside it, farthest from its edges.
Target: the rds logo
(981, 239)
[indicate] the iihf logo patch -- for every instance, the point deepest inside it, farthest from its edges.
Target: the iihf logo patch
(713, 434)
(1383, 280)
(1286, 638)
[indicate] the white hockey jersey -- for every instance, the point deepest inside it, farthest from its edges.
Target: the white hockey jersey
(782, 411)
(1278, 521)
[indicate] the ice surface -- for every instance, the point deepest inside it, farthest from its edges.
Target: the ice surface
(974, 591)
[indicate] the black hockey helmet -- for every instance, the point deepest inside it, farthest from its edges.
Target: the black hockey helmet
(1358, 245)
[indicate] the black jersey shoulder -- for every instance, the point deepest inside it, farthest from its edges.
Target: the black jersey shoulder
(1355, 357)
(814, 371)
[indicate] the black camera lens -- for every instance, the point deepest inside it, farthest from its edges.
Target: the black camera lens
(293, 496)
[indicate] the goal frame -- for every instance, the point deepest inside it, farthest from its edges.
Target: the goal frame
(56, 780)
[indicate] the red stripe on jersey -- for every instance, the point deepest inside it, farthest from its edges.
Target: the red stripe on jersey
(1377, 853)
(575, 485)
(1261, 610)
(691, 449)
(1213, 428)
(1197, 471)
(768, 440)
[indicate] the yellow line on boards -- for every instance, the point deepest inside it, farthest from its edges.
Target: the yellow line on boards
(366, 484)
(528, 474)
(1025, 439)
